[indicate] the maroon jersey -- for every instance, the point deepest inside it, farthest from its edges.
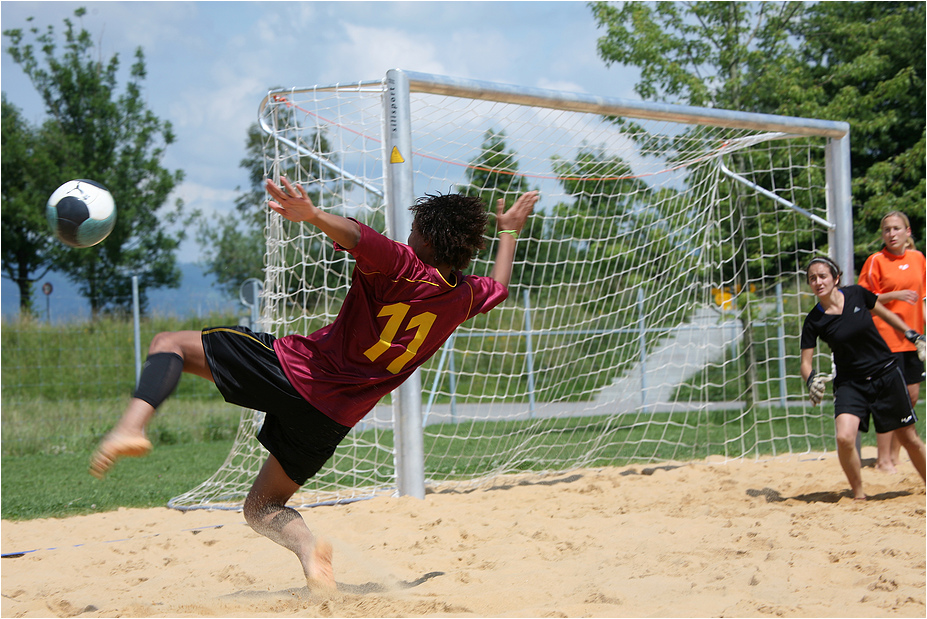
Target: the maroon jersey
(398, 312)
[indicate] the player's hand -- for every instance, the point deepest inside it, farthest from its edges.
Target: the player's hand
(291, 201)
(919, 342)
(516, 217)
(816, 387)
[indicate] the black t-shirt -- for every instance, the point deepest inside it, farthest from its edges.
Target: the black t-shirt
(859, 351)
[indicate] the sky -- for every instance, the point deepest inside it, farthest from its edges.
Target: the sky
(211, 63)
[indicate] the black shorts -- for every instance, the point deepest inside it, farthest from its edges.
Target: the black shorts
(885, 397)
(247, 372)
(911, 366)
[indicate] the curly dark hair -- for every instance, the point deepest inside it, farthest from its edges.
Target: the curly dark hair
(454, 225)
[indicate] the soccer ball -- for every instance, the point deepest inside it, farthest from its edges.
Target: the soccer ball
(81, 213)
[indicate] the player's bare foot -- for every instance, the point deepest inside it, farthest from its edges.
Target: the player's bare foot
(115, 446)
(888, 469)
(319, 574)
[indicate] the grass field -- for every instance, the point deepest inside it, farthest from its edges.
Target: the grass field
(48, 438)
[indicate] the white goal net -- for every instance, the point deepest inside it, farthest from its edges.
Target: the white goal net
(656, 299)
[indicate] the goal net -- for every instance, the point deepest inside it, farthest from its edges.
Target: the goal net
(656, 300)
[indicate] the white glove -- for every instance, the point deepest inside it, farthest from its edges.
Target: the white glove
(816, 384)
(919, 342)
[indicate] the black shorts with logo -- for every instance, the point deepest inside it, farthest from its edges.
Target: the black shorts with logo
(248, 373)
(884, 396)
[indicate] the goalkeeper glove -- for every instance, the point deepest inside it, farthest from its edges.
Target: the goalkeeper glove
(815, 384)
(918, 340)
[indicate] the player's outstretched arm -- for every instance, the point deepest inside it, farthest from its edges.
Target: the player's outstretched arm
(509, 225)
(293, 203)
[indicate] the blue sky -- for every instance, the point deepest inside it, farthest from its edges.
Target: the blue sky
(210, 63)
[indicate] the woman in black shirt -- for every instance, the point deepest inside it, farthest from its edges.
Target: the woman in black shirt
(868, 380)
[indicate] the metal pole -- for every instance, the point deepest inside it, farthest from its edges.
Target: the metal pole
(840, 205)
(774, 197)
(529, 353)
(397, 161)
(137, 329)
(452, 375)
(642, 339)
(840, 212)
(256, 305)
(780, 312)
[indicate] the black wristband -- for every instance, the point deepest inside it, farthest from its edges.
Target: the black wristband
(810, 378)
(912, 336)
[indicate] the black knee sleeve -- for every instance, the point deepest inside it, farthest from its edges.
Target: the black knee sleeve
(160, 376)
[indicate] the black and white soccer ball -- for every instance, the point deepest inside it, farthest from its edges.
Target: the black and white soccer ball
(81, 213)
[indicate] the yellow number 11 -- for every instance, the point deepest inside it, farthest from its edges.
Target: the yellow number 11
(397, 314)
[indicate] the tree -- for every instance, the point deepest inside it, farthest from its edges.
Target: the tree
(112, 138)
(864, 62)
(726, 55)
(603, 188)
(698, 53)
(860, 62)
(26, 172)
(493, 175)
(234, 248)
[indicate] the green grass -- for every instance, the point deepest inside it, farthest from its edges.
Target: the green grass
(57, 486)
(64, 387)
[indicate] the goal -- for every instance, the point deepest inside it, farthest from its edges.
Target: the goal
(656, 300)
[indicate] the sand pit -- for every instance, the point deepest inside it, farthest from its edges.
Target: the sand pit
(774, 538)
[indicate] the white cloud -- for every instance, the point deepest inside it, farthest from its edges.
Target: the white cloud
(369, 52)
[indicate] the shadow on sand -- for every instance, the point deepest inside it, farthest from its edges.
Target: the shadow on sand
(773, 496)
(362, 589)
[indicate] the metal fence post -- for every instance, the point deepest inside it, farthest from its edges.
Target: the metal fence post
(136, 320)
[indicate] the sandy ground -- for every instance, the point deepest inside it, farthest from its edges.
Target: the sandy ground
(774, 538)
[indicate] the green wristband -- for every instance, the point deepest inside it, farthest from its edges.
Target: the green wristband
(514, 233)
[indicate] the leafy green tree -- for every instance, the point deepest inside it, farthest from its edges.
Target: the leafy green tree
(26, 172)
(859, 62)
(113, 138)
(698, 53)
(493, 175)
(864, 62)
(603, 189)
(235, 247)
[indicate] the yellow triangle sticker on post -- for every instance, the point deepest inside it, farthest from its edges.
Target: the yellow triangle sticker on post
(395, 157)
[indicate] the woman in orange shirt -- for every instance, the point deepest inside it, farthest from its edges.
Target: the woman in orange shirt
(897, 275)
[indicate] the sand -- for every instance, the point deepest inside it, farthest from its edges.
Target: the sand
(754, 539)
